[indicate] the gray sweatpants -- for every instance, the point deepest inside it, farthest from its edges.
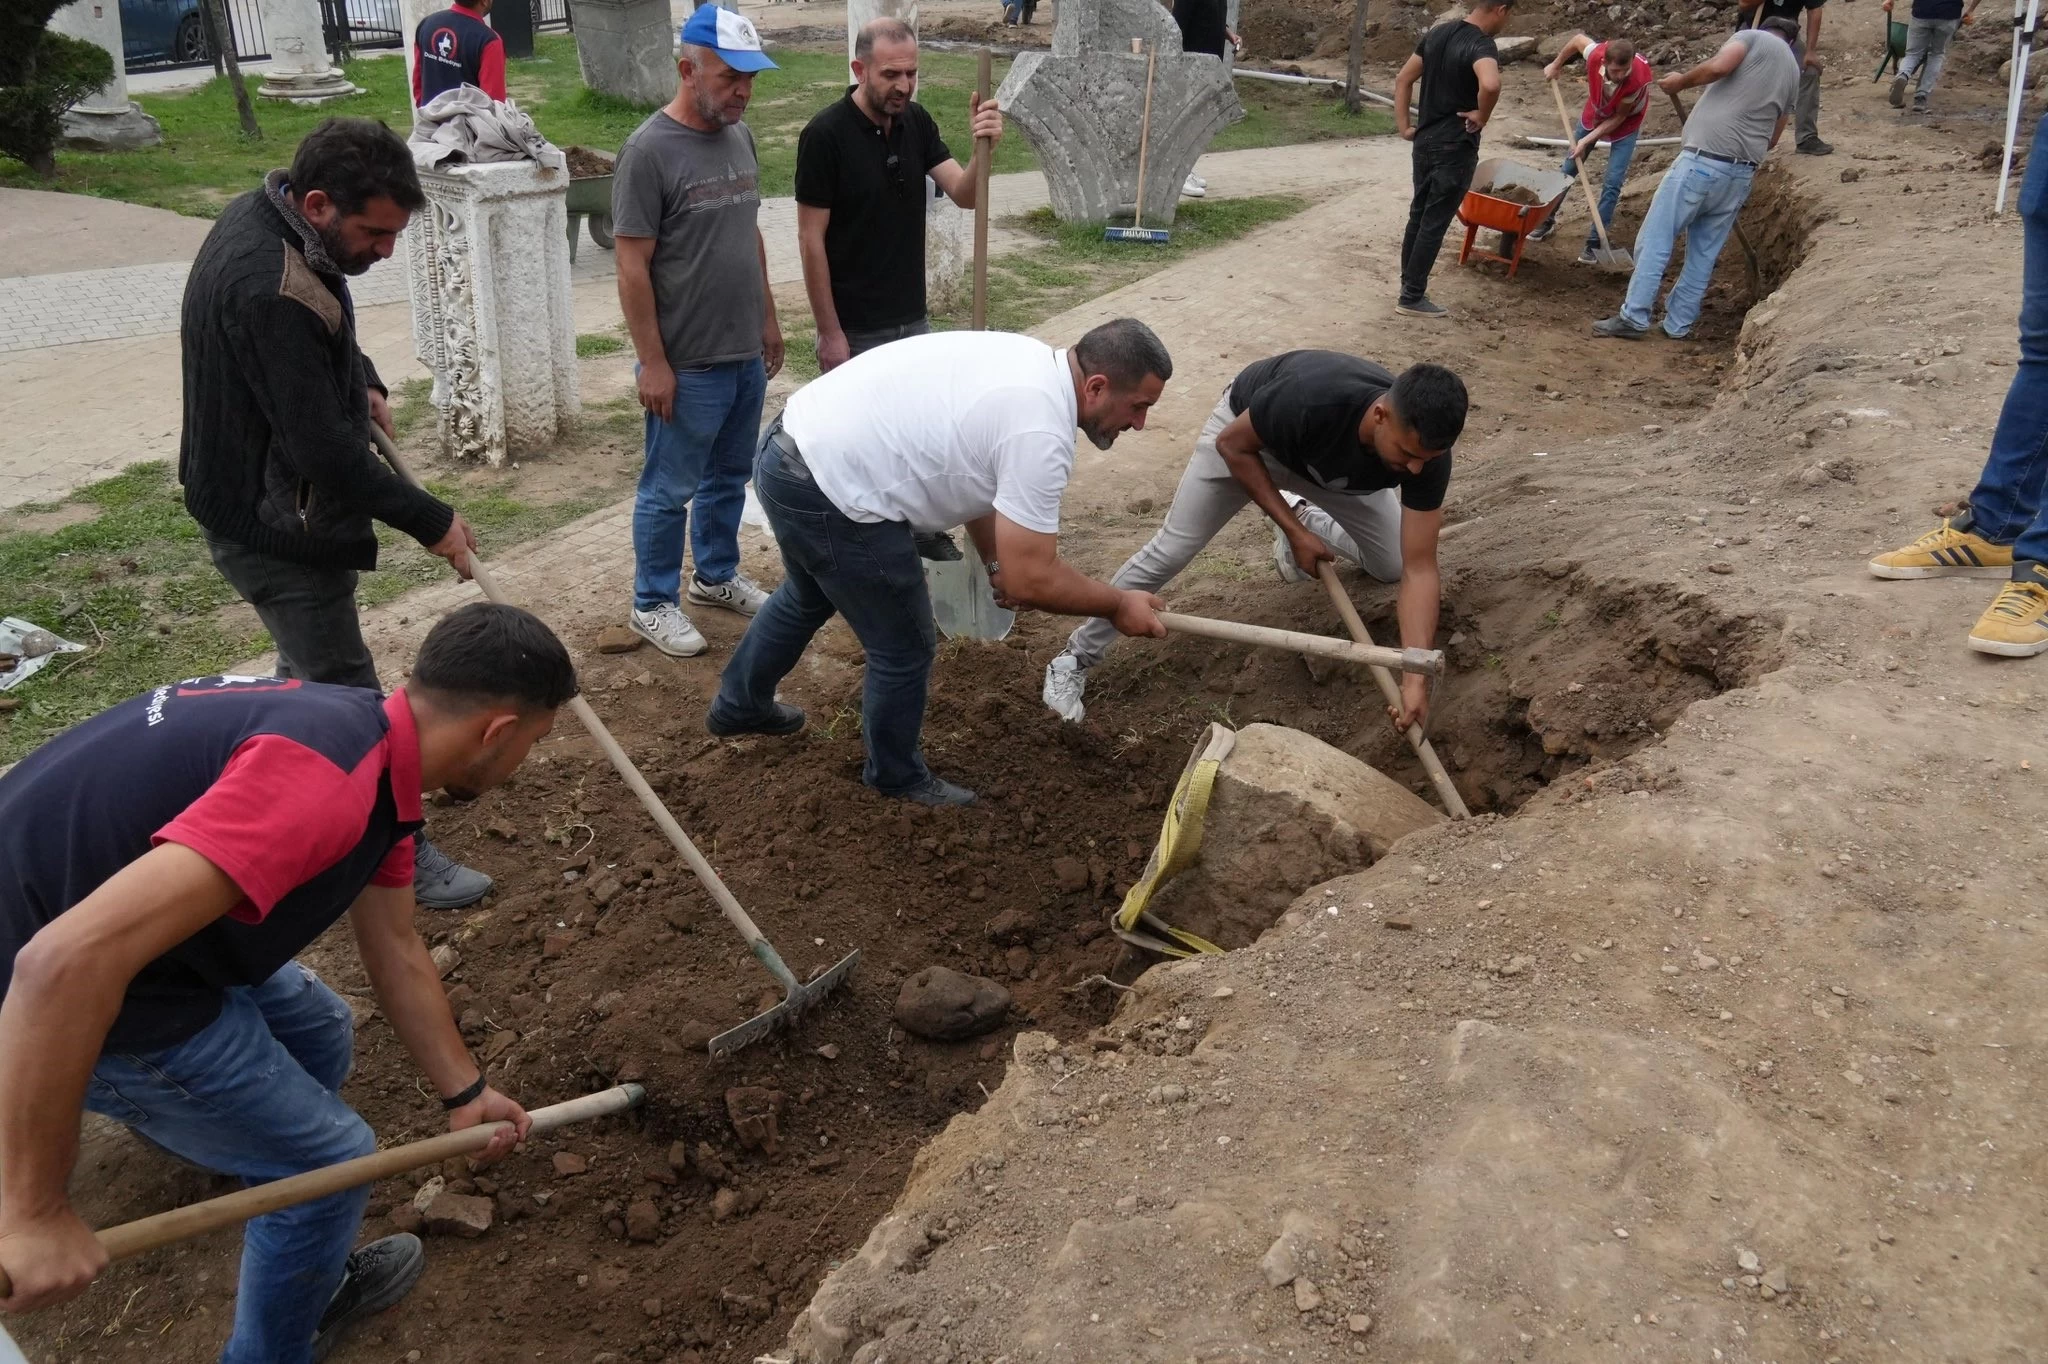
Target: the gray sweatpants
(1203, 505)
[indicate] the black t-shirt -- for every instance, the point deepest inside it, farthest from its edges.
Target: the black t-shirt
(1202, 26)
(1449, 84)
(1795, 10)
(1306, 407)
(873, 183)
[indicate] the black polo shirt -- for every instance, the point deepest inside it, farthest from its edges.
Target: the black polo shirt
(873, 184)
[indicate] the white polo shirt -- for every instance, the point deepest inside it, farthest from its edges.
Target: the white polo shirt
(941, 430)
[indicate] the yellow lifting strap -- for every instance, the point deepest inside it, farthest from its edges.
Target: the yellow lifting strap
(1180, 843)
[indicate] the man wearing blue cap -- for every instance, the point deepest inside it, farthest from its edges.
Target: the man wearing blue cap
(693, 283)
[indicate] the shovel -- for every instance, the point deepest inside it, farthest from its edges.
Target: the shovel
(1607, 256)
(196, 1219)
(798, 997)
(963, 602)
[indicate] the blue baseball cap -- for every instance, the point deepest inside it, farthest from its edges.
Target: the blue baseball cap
(730, 34)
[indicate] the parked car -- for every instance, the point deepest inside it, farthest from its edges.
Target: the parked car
(163, 31)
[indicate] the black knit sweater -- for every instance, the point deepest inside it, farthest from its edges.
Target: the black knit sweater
(276, 450)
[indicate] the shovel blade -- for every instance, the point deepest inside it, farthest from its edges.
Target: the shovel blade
(1620, 258)
(799, 1001)
(963, 602)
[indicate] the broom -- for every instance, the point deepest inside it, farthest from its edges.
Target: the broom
(1138, 232)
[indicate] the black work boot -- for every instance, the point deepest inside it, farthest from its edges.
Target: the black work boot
(378, 1275)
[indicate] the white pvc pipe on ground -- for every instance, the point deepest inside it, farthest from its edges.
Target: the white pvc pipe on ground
(1282, 78)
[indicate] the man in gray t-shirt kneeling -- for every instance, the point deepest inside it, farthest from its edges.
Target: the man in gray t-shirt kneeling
(1752, 84)
(693, 284)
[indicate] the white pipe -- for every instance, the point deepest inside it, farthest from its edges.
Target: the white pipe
(1535, 141)
(1283, 78)
(2025, 17)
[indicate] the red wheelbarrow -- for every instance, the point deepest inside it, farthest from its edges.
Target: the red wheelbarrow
(1482, 207)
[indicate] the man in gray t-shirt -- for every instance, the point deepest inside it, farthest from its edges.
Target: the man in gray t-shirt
(1752, 84)
(693, 283)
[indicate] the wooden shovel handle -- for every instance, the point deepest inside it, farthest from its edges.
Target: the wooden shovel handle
(1429, 662)
(196, 1219)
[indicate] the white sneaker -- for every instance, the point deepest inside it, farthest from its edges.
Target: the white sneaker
(1065, 680)
(669, 630)
(1191, 188)
(1283, 558)
(741, 594)
(1200, 181)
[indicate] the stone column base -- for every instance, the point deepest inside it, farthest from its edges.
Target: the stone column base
(111, 130)
(307, 87)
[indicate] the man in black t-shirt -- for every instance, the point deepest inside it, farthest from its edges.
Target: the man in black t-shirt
(860, 198)
(1807, 15)
(1460, 74)
(1341, 435)
(1205, 28)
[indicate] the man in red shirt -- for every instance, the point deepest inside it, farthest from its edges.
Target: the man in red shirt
(1617, 98)
(166, 861)
(455, 47)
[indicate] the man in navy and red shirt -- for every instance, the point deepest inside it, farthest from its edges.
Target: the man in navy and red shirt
(455, 47)
(1617, 99)
(166, 859)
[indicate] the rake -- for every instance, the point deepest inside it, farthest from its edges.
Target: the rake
(798, 996)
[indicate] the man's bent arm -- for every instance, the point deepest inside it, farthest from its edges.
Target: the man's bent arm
(66, 990)
(982, 531)
(1488, 71)
(1241, 449)
(1404, 87)
(810, 244)
(1421, 592)
(1033, 573)
(1720, 66)
(408, 987)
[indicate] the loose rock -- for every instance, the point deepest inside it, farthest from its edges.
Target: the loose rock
(1278, 1264)
(568, 1163)
(617, 639)
(454, 1214)
(943, 1005)
(643, 1223)
(1307, 1297)
(753, 1111)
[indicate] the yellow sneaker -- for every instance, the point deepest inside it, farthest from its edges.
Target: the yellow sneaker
(2016, 626)
(1950, 550)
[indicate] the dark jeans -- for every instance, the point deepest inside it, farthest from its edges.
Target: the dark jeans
(310, 613)
(869, 573)
(2010, 503)
(857, 342)
(1443, 172)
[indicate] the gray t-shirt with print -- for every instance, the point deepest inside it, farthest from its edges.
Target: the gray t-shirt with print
(698, 195)
(1739, 112)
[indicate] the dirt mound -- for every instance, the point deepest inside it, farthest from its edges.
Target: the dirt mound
(1665, 30)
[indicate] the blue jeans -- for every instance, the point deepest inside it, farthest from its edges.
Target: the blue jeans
(1620, 152)
(702, 453)
(2010, 503)
(254, 1095)
(869, 573)
(1697, 199)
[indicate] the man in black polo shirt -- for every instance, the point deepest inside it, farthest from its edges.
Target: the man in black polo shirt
(1319, 442)
(860, 197)
(166, 860)
(1807, 15)
(1460, 73)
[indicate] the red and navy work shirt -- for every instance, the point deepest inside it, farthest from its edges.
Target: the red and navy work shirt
(455, 47)
(1603, 103)
(303, 794)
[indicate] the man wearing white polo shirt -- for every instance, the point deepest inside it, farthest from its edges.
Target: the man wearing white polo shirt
(932, 432)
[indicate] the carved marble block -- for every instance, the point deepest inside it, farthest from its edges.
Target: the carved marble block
(488, 259)
(1081, 106)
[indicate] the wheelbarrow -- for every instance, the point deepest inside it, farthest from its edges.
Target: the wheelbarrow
(1894, 51)
(590, 198)
(1483, 207)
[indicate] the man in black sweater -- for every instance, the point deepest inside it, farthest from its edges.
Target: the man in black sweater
(276, 458)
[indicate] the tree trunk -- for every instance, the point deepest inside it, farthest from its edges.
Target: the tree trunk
(224, 47)
(1352, 101)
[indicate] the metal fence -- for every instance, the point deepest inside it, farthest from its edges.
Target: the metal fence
(160, 34)
(352, 24)
(549, 14)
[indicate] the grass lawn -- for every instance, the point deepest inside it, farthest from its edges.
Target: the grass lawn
(132, 581)
(204, 161)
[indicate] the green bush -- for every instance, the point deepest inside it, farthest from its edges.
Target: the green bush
(41, 75)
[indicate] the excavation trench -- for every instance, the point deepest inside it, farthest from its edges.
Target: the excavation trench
(600, 960)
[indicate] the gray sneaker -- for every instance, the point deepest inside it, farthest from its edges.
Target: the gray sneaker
(1422, 307)
(376, 1278)
(440, 882)
(937, 791)
(669, 630)
(1619, 326)
(1897, 95)
(739, 593)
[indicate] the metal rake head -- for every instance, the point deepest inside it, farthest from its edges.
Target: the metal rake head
(799, 1000)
